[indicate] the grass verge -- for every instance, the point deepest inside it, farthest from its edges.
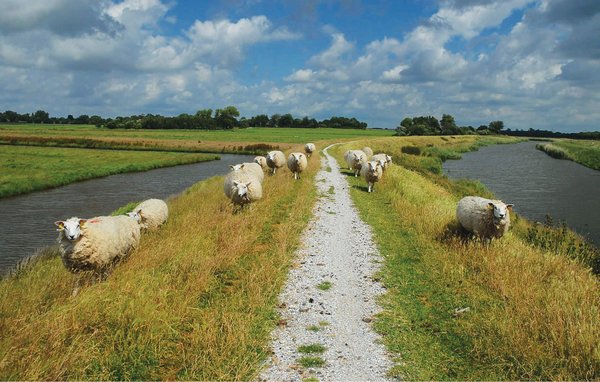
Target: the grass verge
(584, 152)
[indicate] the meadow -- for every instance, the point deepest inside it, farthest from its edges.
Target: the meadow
(583, 152)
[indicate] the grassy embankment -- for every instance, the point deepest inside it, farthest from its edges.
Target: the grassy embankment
(194, 302)
(532, 314)
(583, 152)
(26, 169)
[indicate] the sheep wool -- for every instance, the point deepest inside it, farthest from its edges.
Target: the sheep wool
(372, 172)
(485, 218)
(152, 213)
(309, 148)
(275, 160)
(251, 168)
(368, 151)
(355, 160)
(384, 159)
(262, 161)
(297, 163)
(242, 188)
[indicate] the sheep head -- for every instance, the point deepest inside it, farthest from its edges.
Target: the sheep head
(136, 215)
(71, 228)
(500, 211)
(242, 190)
(236, 167)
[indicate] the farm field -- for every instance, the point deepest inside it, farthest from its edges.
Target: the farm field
(583, 152)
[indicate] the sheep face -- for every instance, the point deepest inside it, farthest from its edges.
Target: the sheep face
(500, 211)
(242, 191)
(236, 167)
(135, 215)
(71, 228)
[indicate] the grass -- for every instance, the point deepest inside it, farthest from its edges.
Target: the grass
(311, 349)
(196, 300)
(532, 314)
(325, 285)
(26, 169)
(584, 152)
(311, 361)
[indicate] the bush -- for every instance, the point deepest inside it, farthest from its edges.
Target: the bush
(411, 150)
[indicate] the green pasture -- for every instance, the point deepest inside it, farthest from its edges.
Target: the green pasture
(585, 152)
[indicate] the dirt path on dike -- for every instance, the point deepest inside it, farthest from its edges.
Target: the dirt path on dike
(337, 249)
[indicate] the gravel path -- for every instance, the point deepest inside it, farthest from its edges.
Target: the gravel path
(337, 248)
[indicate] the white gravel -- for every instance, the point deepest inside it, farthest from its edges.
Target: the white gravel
(337, 247)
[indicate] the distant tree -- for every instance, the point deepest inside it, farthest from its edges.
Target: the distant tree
(96, 120)
(40, 116)
(406, 122)
(286, 120)
(496, 126)
(226, 118)
(448, 126)
(83, 119)
(274, 121)
(261, 120)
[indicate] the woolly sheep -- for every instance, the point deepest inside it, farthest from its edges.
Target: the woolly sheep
(355, 159)
(309, 148)
(275, 160)
(485, 218)
(368, 151)
(384, 159)
(242, 187)
(150, 214)
(372, 172)
(95, 244)
(251, 168)
(297, 163)
(262, 161)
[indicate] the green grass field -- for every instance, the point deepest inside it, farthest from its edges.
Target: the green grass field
(583, 152)
(25, 169)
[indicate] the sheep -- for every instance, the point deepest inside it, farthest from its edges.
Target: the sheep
(384, 159)
(262, 161)
(96, 244)
(485, 218)
(275, 160)
(368, 152)
(297, 163)
(372, 172)
(150, 214)
(309, 148)
(242, 188)
(355, 159)
(250, 167)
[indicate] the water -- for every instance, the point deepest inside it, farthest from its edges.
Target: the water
(27, 221)
(536, 184)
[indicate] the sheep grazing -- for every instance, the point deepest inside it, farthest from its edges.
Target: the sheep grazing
(368, 151)
(275, 160)
(262, 161)
(150, 214)
(355, 160)
(485, 218)
(309, 148)
(242, 188)
(251, 168)
(372, 172)
(96, 244)
(384, 159)
(297, 163)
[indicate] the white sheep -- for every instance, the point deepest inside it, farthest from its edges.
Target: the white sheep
(96, 244)
(262, 161)
(372, 172)
(275, 160)
(355, 159)
(368, 151)
(297, 163)
(309, 148)
(150, 214)
(249, 167)
(384, 159)
(485, 218)
(242, 188)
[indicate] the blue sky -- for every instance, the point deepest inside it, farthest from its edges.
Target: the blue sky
(529, 63)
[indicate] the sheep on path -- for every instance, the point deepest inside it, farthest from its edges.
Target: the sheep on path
(355, 159)
(297, 163)
(262, 161)
(96, 244)
(485, 218)
(368, 151)
(242, 188)
(150, 214)
(309, 148)
(275, 160)
(384, 159)
(372, 172)
(251, 168)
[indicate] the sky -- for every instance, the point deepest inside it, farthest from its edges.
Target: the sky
(531, 64)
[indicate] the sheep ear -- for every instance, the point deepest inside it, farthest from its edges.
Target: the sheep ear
(236, 183)
(60, 224)
(82, 222)
(490, 205)
(509, 206)
(248, 184)
(230, 167)
(242, 166)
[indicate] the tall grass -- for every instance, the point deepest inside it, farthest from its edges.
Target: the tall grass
(585, 152)
(532, 314)
(194, 302)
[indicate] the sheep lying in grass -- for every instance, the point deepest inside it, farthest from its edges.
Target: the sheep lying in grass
(262, 161)
(384, 159)
(372, 172)
(485, 218)
(355, 159)
(251, 168)
(96, 244)
(275, 160)
(297, 163)
(150, 214)
(368, 151)
(242, 188)
(309, 148)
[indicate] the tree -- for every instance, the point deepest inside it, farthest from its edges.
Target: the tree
(496, 126)
(406, 122)
(40, 116)
(286, 120)
(448, 125)
(226, 118)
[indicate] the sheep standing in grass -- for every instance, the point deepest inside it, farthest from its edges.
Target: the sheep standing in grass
(372, 172)
(250, 167)
(242, 188)
(355, 160)
(368, 151)
(309, 148)
(384, 159)
(150, 214)
(485, 218)
(262, 161)
(275, 160)
(297, 163)
(96, 244)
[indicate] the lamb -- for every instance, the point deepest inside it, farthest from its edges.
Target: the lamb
(384, 159)
(275, 160)
(96, 244)
(355, 159)
(242, 188)
(250, 167)
(372, 172)
(485, 218)
(262, 161)
(368, 151)
(309, 148)
(150, 214)
(297, 163)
